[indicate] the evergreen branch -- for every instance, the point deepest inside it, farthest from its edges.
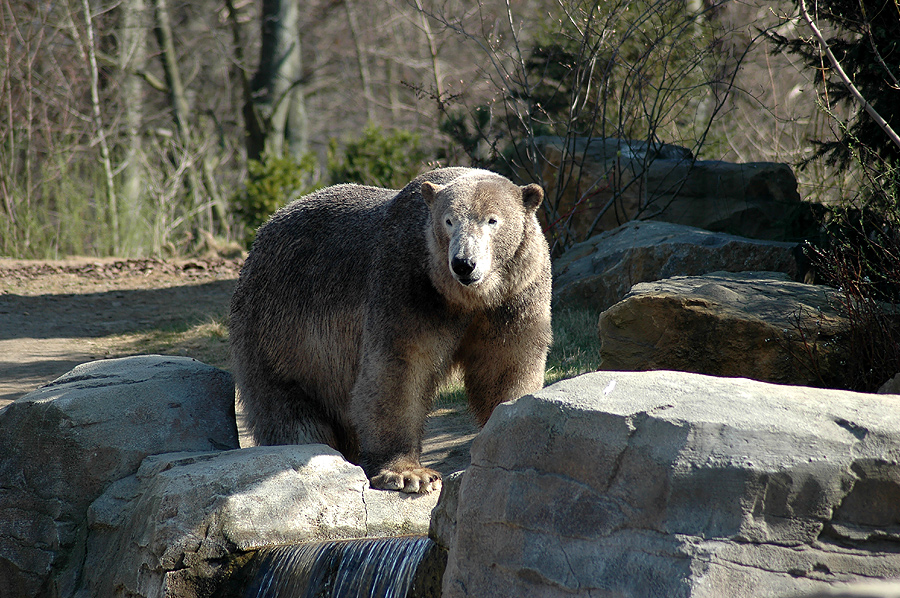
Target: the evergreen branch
(870, 110)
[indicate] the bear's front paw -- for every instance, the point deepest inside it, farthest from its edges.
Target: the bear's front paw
(419, 480)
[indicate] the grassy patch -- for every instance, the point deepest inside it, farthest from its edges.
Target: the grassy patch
(576, 345)
(205, 341)
(575, 351)
(452, 394)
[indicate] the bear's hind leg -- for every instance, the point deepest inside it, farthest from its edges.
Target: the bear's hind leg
(284, 414)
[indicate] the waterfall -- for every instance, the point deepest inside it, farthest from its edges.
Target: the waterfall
(360, 568)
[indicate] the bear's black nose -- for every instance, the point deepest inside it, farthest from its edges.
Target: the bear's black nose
(462, 267)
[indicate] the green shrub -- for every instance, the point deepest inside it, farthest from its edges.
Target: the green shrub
(860, 257)
(377, 158)
(271, 183)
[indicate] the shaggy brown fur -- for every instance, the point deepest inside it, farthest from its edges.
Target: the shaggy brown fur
(356, 302)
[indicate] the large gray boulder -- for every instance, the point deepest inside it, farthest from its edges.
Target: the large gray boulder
(599, 272)
(177, 527)
(63, 444)
(753, 324)
(663, 182)
(892, 386)
(676, 485)
(124, 478)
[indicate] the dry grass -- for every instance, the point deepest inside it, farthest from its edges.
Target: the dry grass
(206, 341)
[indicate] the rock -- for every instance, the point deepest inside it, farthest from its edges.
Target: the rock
(891, 387)
(663, 182)
(678, 485)
(600, 271)
(754, 325)
(63, 444)
(874, 589)
(177, 526)
(443, 517)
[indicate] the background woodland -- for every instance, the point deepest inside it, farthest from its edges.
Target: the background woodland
(158, 128)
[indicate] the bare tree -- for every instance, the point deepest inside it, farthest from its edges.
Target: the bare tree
(845, 79)
(643, 73)
(362, 60)
(200, 176)
(90, 56)
(132, 62)
(228, 83)
(275, 112)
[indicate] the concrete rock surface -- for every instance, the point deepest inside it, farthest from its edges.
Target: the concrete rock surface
(63, 444)
(672, 484)
(599, 272)
(174, 527)
(752, 324)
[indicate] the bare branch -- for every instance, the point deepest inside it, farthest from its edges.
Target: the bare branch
(823, 45)
(98, 123)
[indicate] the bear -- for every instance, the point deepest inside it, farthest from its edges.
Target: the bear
(356, 303)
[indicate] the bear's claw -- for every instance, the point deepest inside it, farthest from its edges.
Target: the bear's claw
(412, 481)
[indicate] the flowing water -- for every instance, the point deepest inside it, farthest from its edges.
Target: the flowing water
(361, 568)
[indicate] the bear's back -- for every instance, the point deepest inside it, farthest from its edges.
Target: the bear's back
(320, 239)
(303, 286)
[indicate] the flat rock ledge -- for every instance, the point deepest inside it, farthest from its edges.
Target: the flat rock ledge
(184, 520)
(676, 485)
(599, 272)
(757, 325)
(124, 478)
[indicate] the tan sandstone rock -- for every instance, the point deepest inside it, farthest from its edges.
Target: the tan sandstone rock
(753, 325)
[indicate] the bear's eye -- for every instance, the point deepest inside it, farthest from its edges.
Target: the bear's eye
(449, 222)
(492, 221)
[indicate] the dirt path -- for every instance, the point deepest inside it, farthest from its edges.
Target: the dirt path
(55, 315)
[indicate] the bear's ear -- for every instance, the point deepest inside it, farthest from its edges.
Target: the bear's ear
(532, 196)
(429, 192)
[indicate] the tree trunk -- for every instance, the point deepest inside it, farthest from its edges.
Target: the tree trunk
(132, 61)
(177, 96)
(362, 63)
(105, 157)
(169, 59)
(276, 112)
(433, 56)
(181, 113)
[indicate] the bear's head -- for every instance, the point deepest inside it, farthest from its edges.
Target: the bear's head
(479, 224)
